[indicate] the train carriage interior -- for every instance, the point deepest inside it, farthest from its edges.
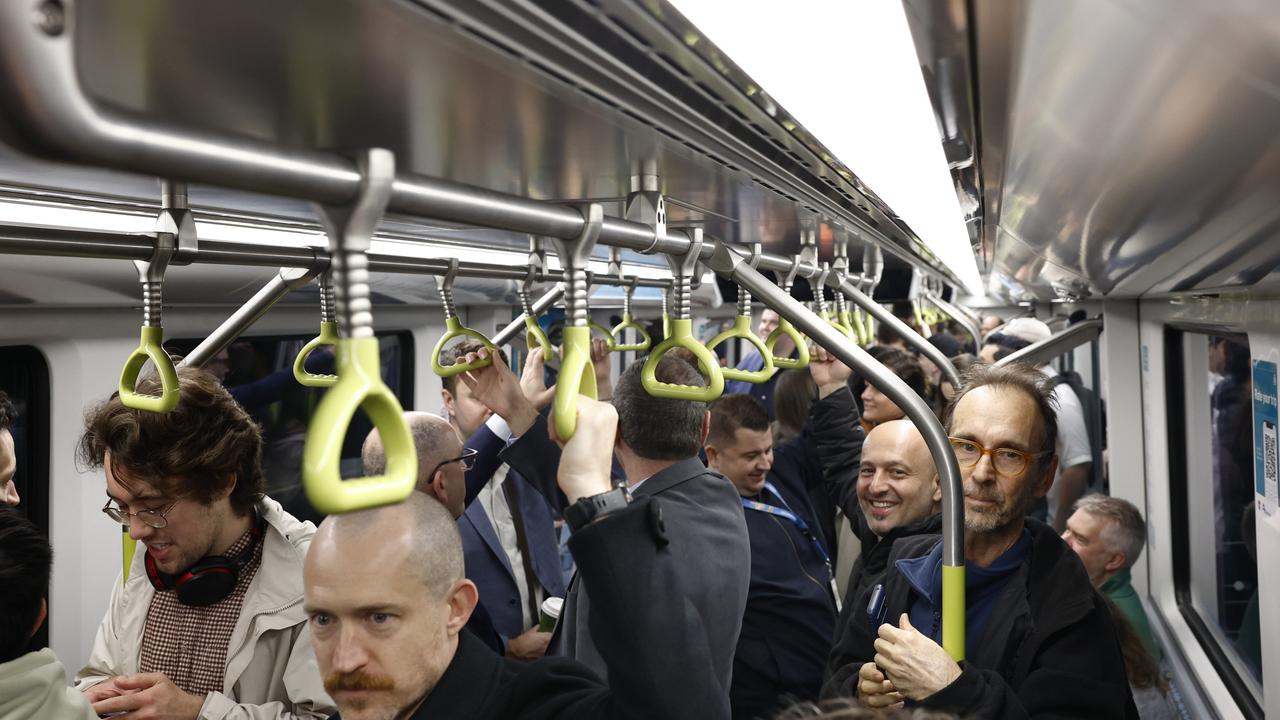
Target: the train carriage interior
(236, 177)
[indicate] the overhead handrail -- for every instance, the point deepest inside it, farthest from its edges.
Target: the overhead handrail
(741, 330)
(454, 329)
(729, 264)
(628, 322)
(1043, 352)
(328, 337)
(359, 387)
(53, 112)
(786, 329)
(577, 374)
(151, 345)
(683, 268)
(535, 338)
(286, 280)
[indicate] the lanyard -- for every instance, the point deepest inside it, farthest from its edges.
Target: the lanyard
(785, 512)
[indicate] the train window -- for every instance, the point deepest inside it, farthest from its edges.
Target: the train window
(259, 373)
(1215, 560)
(24, 377)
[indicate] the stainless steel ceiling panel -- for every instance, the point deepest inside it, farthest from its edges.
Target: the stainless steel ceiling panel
(1124, 147)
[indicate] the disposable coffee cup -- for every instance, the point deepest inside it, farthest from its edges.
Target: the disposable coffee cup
(549, 613)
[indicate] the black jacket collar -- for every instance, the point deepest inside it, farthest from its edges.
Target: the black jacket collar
(465, 685)
(672, 475)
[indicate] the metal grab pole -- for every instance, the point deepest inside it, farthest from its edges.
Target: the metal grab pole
(281, 284)
(516, 326)
(1051, 347)
(913, 338)
(729, 264)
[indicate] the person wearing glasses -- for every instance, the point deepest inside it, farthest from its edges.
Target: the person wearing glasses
(508, 532)
(442, 464)
(209, 622)
(1039, 642)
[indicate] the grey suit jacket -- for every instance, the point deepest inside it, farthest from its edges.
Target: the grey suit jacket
(702, 514)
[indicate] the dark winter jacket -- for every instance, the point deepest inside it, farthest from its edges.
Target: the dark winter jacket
(1048, 651)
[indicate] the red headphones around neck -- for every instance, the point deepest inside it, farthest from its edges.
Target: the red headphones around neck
(209, 580)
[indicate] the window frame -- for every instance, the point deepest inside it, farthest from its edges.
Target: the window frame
(1210, 640)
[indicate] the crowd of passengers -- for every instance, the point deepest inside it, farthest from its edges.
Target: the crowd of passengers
(699, 574)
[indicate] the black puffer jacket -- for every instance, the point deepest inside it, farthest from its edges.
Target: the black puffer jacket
(1049, 649)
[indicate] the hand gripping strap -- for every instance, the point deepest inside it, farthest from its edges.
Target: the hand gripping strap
(453, 329)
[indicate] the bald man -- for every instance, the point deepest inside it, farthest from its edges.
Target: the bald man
(386, 601)
(442, 466)
(441, 459)
(899, 495)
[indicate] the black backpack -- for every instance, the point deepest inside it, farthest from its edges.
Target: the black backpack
(1095, 422)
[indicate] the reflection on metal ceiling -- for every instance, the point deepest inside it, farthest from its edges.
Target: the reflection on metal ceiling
(1121, 148)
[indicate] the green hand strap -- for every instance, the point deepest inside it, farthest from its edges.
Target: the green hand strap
(847, 322)
(682, 336)
(128, 545)
(149, 349)
(801, 360)
(536, 338)
(577, 377)
(834, 322)
(359, 386)
(741, 330)
(666, 326)
(328, 336)
(609, 342)
(628, 323)
(453, 329)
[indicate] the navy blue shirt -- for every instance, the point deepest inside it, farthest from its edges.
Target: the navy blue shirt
(982, 587)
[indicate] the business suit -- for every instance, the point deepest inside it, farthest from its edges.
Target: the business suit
(487, 564)
(653, 638)
(712, 553)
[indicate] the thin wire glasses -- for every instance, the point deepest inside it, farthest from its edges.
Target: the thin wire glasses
(153, 518)
(467, 458)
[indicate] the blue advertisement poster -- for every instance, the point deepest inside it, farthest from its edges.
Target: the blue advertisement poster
(1264, 435)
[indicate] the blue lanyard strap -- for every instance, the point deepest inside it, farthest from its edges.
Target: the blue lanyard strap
(786, 512)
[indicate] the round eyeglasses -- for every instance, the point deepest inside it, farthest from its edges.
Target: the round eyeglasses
(1006, 461)
(152, 518)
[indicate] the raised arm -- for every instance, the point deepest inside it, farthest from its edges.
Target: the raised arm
(649, 635)
(833, 432)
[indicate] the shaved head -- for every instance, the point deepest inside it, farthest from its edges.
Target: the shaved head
(418, 535)
(437, 443)
(386, 600)
(897, 480)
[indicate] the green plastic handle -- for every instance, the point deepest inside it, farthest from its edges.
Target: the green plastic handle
(536, 338)
(834, 322)
(128, 545)
(328, 336)
(359, 386)
(846, 321)
(453, 329)
(149, 349)
(629, 323)
(666, 326)
(682, 336)
(741, 330)
(608, 336)
(953, 604)
(801, 360)
(577, 377)
(862, 326)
